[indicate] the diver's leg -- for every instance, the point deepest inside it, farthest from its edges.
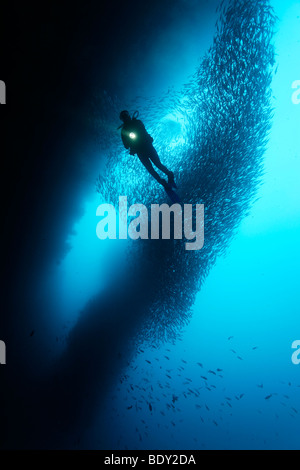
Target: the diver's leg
(153, 155)
(148, 165)
(156, 160)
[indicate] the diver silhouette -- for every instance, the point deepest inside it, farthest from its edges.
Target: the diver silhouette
(138, 141)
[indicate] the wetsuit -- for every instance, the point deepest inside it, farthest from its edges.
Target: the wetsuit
(142, 146)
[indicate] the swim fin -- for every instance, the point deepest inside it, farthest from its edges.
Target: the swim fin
(173, 196)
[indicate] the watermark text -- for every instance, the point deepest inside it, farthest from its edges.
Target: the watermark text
(296, 354)
(2, 352)
(114, 223)
(2, 92)
(296, 94)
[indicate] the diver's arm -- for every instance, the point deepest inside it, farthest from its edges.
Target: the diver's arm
(125, 140)
(128, 144)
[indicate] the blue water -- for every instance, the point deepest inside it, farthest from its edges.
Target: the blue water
(243, 321)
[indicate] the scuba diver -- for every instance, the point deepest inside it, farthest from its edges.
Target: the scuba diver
(138, 141)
